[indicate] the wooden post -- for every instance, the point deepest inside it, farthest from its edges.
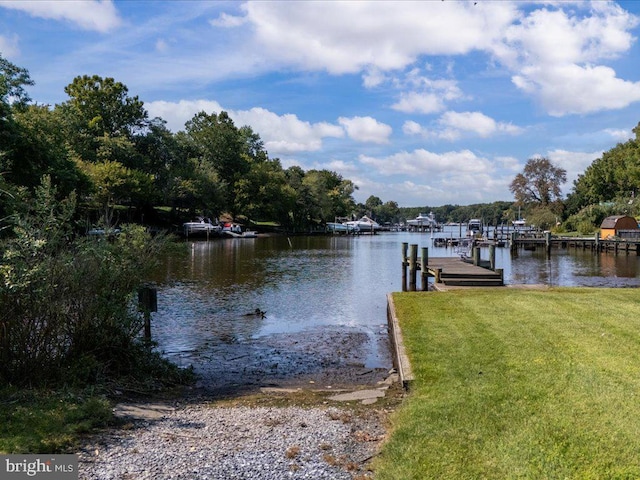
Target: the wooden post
(547, 242)
(405, 247)
(500, 271)
(424, 273)
(476, 255)
(147, 303)
(492, 257)
(597, 241)
(413, 264)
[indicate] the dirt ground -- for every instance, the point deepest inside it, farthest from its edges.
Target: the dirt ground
(327, 357)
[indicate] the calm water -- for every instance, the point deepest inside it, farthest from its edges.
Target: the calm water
(306, 285)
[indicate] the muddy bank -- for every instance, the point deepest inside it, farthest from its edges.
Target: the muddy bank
(324, 357)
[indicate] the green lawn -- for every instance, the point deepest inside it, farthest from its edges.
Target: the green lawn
(514, 383)
(40, 421)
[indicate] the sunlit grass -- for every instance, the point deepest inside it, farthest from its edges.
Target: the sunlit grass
(42, 421)
(517, 383)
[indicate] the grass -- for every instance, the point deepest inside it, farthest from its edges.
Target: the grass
(39, 421)
(518, 384)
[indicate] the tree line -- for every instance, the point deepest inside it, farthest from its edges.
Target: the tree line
(101, 144)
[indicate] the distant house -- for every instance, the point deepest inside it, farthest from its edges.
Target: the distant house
(622, 226)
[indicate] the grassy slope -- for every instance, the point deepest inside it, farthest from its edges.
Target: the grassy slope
(519, 384)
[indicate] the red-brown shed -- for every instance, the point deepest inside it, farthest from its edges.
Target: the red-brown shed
(612, 226)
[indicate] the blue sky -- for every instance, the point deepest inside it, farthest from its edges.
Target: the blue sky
(424, 103)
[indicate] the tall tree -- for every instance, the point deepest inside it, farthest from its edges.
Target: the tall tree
(99, 109)
(13, 97)
(220, 144)
(40, 149)
(539, 183)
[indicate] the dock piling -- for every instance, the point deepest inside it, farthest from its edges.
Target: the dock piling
(424, 266)
(413, 264)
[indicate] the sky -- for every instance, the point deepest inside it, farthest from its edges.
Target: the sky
(424, 103)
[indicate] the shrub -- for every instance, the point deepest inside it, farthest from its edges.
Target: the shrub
(67, 309)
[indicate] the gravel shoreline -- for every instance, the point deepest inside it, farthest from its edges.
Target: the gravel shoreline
(202, 441)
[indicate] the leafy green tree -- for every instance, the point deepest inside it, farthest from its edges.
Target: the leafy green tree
(372, 204)
(331, 195)
(388, 212)
(99, 108)
(220, 144)
(261, 193)
(113, 184)
(40, 149)
(539, 183)
(13, 97)
(615, 175)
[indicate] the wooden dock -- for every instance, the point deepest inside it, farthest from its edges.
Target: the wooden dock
(596, 244)
(449, 271)
(452, 271)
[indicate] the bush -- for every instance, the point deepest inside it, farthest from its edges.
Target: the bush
(67, 304)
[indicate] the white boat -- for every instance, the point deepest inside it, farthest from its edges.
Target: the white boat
(424, 220)
(201, 226)
(474, 226)
(365, 224)
(234, 230)
(521, 223)
(336, 227)
(245, 234)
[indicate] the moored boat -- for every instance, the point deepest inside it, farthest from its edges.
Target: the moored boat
(424, 221)
(364, 225)
(201, 226)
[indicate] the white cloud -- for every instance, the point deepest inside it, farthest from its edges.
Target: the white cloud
(414, 102)
(366, 129)
(177, 114)
(477, 123)
(422, 94)
(386, 35)
(97, 15)
(573, 89)
(281, 134)
(575, 163)
(285, 134)
(554, 55)
(453, 125)
(619, 135)
(373, 77)
(426, 163)
(412, 128)
(228, 21)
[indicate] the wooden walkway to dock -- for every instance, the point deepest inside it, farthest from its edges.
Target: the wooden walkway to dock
(448, 271)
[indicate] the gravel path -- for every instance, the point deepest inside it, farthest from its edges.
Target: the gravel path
(201, 441)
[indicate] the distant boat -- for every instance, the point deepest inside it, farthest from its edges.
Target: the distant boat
(424, 220)
(234, 230)
(521, 223)
(201, 226)
(245, 234)
(336, 227)
(365, 224)
(474, 226)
